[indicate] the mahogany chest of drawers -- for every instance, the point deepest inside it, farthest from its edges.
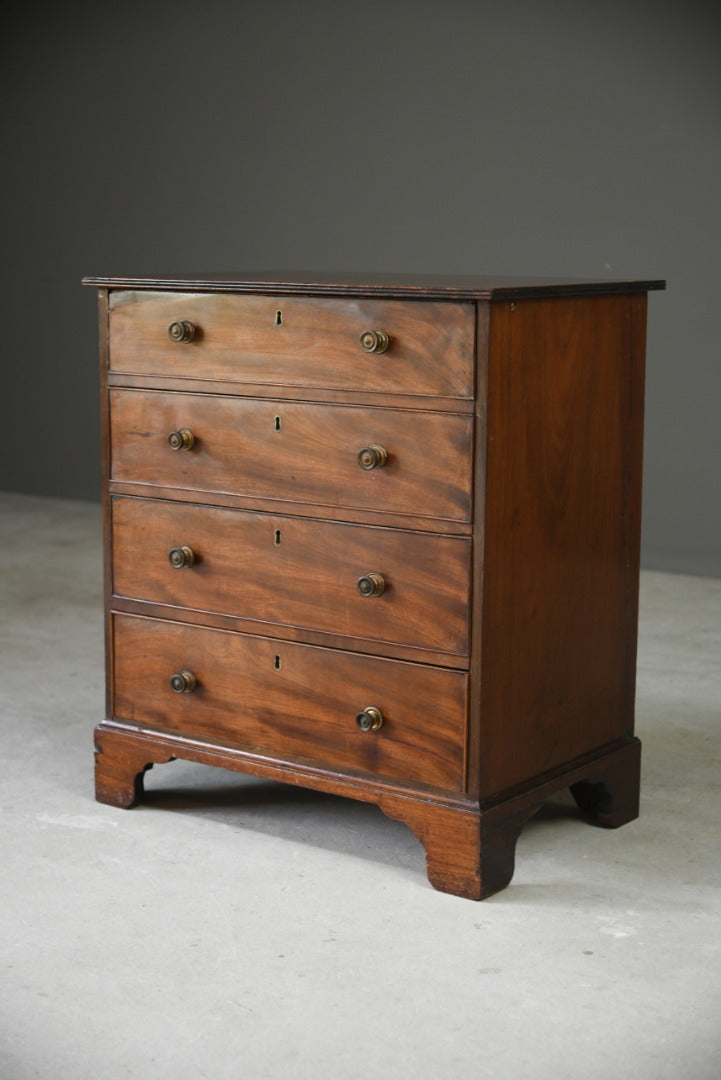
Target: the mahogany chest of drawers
(378, 537)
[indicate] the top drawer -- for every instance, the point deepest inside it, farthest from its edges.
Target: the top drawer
(296, 341)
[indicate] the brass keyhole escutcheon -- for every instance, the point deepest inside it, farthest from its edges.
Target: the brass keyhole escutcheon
(370, 719)
(184, 682)
(371, 584)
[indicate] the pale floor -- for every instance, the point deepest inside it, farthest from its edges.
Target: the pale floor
(234, 928)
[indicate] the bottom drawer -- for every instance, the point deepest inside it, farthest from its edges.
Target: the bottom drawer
(290, 700)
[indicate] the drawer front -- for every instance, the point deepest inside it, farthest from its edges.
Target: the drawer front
(295, 451)
(296, 571)
(291, 341)
(292, 701)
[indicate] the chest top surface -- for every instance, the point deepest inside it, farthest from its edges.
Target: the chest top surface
(403, 286)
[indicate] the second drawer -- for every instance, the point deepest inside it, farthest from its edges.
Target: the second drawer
(300, 452)
(356, 581)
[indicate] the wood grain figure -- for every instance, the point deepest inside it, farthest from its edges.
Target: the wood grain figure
(379, 537)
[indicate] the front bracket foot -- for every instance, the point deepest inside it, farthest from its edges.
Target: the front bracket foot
(121, 763)
(469, 853)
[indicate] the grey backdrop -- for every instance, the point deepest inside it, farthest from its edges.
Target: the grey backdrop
(530, 136)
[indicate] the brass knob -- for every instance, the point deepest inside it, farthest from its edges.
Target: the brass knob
(181, 440)
(372, 457)
(180, 557)
(374, 341)
(371, 584)
(181, 331)
(183, 683)
(370, 719)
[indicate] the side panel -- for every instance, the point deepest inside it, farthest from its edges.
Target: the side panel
(564, 443)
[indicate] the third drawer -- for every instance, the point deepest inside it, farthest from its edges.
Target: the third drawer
(275, 569)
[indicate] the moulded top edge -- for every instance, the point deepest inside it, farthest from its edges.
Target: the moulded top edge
(395, 286)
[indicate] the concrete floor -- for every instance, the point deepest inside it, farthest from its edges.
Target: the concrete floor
(231, 927)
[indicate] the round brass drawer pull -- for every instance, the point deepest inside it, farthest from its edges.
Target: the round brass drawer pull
(182, 331)
(181, 440)
(370, 719)
(376, 341)
(180, 557)
(371, 584)
(183, 683)
(372, 457)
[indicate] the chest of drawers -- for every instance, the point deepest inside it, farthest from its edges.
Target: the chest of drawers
(377, 537)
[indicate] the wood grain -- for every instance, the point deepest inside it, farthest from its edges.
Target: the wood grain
(505, 524)
(470, 848)
(561, 558)
(296, 571)
(298, 452)
(399, 286)
(317, 343)
(374, 399)
(293, 700)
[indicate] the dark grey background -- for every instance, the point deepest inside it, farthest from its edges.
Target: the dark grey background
(536, 137)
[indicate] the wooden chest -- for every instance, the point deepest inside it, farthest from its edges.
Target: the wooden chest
(378, 537)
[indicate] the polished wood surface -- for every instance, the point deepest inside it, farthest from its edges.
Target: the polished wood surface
(296, 571)
(470, 850)
(318, 394)
(505, 524)
(293, 700)
(561, 532)
(302, 452)
(474, 287)
(316, 344)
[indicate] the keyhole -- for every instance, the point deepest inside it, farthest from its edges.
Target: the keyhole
(276, 663)
(279, 317)
(277, 423)
(277, 537)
